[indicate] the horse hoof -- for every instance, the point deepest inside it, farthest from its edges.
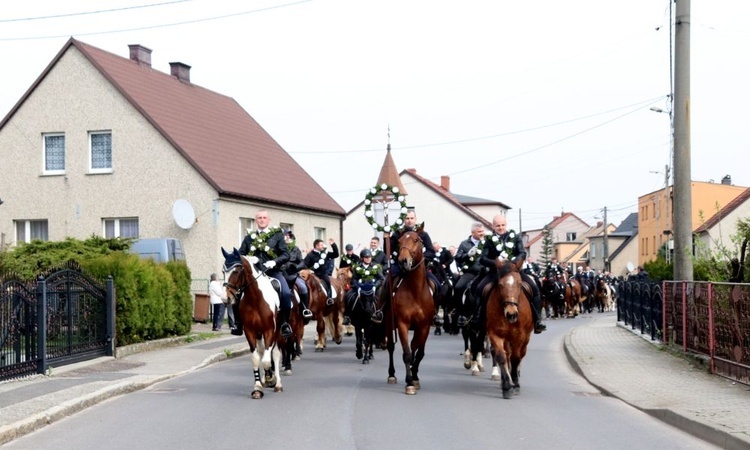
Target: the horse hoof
(365, 361)
(496, 378)
(416, 384)
(475, 373)
(278, 389)
(257, 395)
(319, 349)
(391, 380)
(287, 372)
(297, 358)
(339, 340)
(508, 394)
(410, 390)
(516, 390)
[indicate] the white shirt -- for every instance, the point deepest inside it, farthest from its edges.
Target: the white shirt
(217, 292)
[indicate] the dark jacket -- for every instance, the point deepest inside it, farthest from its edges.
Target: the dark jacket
(495, 245)
(358, 275)
(276, 245)
(466, 263)
(295, 261)
(429, 249)
(313, 260)
(348, 260)
(379, 257)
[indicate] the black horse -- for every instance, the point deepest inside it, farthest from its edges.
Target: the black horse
(553, 297)
(367, 333)
(443, 300)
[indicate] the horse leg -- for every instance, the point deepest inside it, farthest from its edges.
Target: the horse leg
(257, 393)
(501, 358)
(286, 356)
(276, 356)
(320, 329)
(407, 356)
(466, 334)
(359, 338)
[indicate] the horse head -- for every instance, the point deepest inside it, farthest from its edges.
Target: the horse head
(344, 274)
(509, 283)
(410, 250)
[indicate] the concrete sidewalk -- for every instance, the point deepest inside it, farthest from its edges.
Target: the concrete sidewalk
(669, 387)
(612, 358)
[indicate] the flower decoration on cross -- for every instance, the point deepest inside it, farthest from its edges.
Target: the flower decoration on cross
(385, 194)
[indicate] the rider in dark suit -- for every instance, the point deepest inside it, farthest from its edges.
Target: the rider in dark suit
(348, 259)
(514, 252)
(467, 259)
(378, 255)
(318, 259)
(276, 255)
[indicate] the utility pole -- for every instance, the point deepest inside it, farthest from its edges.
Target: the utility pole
(683, 212)
(605, 253)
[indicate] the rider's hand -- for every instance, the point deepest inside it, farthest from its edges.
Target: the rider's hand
(269, 264)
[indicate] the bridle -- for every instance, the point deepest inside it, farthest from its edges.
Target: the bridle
(238, 291)
(412, 253)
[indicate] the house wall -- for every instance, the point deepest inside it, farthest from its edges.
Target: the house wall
(559, 236)
(488, 212)
(596, 250)
(628, 254)
(655, 213)
(719, 237)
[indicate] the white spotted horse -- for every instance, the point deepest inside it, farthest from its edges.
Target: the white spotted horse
(258, 309)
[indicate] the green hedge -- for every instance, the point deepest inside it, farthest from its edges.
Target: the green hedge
(153, 301)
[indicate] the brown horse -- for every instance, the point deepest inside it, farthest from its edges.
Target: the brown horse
(328, 316)
(258, 307)
(410, 308)
(344, 275)
(572, 298)
(603, 295)
(509, 325)
(291, 347)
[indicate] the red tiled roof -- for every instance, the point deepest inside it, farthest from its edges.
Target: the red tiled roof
(723, 212)
(212, 131)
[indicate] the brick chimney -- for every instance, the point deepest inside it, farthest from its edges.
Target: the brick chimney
(445, 182)
(140, 54)
(181, 71)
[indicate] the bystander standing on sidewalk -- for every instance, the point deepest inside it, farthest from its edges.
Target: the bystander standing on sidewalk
(218, 301)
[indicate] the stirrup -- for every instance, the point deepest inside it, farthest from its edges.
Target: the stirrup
(377, 316)
(237, 331)
(286, 330)
(462, 321)
(329, 302)
(306, 313)
(347, 321)
(539, 327)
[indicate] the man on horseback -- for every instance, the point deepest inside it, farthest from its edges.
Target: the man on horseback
(509, 245)
(268, 245)
(291, 268)
(467, 258)
(364, 272)
(348, 259)
(410, 224)
(317, 261)
(378, 255)
(555, 273)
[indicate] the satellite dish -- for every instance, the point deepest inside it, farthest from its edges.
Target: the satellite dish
(183, 214)
(630, 266)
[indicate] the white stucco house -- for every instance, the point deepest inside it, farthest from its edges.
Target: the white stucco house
(715, 234)
(106, 145)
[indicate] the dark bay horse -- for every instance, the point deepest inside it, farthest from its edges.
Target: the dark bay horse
(410, 307)
(291, 347)
(509, 325)
(327, 316)
(366, 332)
(553, 298)
(258, 307)
(603, 296)
(572, 298)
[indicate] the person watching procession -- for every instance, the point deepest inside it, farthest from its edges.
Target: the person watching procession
(317, 261)
(218, 298)
(467, 259)
(513, 252)
(268, 245)
(291, 268)
(349, 258)
(364, 273)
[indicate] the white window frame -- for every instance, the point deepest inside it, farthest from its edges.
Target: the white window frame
(116, 225)
(45, 171)
(27, 230)
(246, 224)
(92, 169)
(320, 233)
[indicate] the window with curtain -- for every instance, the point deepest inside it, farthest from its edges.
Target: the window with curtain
(120, 227)
(30, 230)
(54, 154)
(101, 151)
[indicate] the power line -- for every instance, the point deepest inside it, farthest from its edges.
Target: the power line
(85, 13)
(151, 27)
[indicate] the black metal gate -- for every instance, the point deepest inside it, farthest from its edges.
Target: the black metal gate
(62, 317)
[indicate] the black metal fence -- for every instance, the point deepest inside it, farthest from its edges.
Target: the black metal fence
(639, 304)
(62, 317)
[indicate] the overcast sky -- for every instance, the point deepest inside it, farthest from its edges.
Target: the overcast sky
(542, 105)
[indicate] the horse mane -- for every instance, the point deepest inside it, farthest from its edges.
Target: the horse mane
(504, 269)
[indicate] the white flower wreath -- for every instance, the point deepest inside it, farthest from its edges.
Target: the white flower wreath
(370, 215)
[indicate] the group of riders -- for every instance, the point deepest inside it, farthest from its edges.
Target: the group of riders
(459, 294)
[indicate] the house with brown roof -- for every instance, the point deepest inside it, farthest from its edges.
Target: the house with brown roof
(567, 232)
(716, 233)
(447, 216)
(107, 145)
(621, 247)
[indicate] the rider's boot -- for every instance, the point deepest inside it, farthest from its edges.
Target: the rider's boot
(536, 307)
(304, 299)
(237, 329)
(286, 329)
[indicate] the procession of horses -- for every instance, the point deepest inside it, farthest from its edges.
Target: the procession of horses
(409, 303)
